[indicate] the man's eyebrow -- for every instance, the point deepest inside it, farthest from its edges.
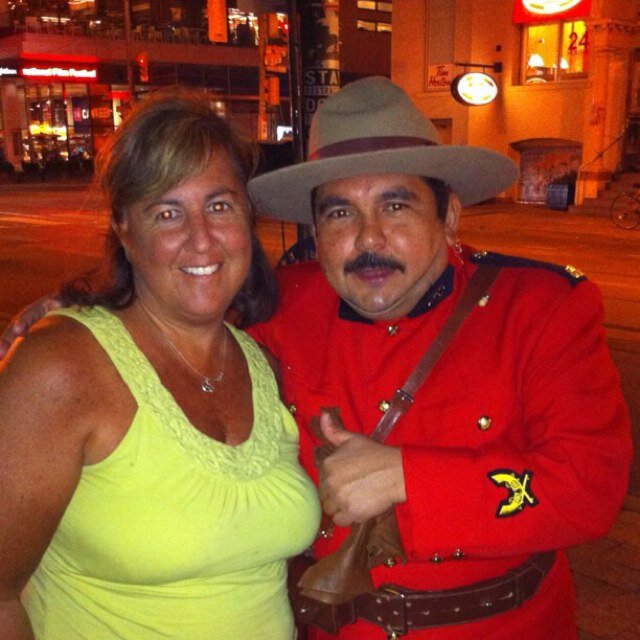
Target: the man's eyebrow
(397, 193)
(330, 201)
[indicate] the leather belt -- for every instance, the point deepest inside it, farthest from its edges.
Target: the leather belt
(398, 610)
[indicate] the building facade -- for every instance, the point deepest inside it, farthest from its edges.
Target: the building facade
(568, 78)
(70, 68)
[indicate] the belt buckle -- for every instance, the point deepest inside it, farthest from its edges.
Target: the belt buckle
(395, 599)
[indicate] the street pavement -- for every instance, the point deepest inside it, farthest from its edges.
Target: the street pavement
(51, 232)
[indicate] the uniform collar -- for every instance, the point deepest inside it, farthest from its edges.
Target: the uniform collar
(438, 291)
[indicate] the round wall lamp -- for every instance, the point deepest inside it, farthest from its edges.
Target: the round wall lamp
(474, 88)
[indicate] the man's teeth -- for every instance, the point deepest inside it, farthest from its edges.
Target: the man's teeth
(201, 271)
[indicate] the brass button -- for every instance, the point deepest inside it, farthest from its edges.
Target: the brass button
(392, 330)
(383, 405)
(326, 533)
(484, 423)
(292, 409)
(390, 562)
(435, 558)
(573, 272)
(483, 301)
(457, 554)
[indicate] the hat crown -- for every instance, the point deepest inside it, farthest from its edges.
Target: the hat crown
(369, 108)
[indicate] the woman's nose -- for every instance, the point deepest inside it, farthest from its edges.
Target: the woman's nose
(199, 232)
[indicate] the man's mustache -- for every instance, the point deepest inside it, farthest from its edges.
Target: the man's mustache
(371, 260)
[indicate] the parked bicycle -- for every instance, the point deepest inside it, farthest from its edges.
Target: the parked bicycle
(625, 209)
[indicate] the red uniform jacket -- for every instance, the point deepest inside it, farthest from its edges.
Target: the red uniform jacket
(527, 387)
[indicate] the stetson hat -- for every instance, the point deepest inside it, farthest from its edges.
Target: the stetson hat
(372, 127)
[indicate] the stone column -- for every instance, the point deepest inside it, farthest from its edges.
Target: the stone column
(11, 106)
(605, 106)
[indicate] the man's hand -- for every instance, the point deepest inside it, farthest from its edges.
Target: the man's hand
(27, 317)
(361, 478)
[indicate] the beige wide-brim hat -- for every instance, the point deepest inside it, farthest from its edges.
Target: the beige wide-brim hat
(372, 127)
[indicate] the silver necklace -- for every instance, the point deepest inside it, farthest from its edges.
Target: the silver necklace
(207, 383)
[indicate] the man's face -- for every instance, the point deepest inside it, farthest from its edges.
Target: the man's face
(380, 242)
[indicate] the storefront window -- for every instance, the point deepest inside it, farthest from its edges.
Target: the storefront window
(555, 51)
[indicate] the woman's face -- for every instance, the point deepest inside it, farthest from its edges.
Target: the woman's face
(190, 248)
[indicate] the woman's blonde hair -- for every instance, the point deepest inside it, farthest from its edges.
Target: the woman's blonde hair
(167, 138)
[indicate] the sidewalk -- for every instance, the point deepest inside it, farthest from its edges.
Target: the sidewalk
(607, 578)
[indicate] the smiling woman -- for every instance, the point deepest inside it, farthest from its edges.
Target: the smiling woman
(133, 482)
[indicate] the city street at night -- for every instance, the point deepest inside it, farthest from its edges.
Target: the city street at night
(49, 233)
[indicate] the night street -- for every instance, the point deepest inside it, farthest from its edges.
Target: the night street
(50, 233)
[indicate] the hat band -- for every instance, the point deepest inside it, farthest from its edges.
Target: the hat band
(363, 145)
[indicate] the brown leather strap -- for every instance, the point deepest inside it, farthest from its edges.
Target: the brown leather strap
(398, 610)
(402, 399)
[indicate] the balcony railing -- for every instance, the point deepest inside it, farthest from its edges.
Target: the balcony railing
(95, 29)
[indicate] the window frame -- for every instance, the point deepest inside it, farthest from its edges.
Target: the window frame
(558, 75)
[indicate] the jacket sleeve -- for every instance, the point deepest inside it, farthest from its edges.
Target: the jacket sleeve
(556, 476)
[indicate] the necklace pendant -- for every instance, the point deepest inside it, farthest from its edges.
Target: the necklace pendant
(206, 386)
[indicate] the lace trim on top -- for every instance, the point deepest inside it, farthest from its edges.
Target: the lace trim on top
(251, 459)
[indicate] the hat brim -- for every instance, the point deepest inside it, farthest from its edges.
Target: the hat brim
(473, 173)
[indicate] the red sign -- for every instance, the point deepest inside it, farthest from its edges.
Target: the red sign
(546, 10)
(76, 73)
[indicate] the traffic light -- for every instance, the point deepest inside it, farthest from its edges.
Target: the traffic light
(142, 62)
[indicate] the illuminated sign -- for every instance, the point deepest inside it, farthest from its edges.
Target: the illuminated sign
(544, 10)
(59, 73)
(474, 89)
(549, 7)
(8, 71)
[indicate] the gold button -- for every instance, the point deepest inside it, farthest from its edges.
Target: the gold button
(392, 330)
(435, 558)
(457, 554)
(573, 272)
(484, 423)
(390, 562)
(292, 409)
(483, 301)
(383, 405)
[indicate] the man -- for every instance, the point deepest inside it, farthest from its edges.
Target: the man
(517, 443)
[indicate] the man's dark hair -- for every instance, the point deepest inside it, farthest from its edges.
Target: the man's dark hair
(441, 193)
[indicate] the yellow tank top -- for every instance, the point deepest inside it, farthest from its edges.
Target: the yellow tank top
(175, 535)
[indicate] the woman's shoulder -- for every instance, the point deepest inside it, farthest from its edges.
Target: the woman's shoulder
(57, 356)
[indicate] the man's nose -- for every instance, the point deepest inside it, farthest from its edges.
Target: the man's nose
(371, 234)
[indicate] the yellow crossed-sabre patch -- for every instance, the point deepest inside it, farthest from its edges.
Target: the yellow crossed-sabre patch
(520, 495)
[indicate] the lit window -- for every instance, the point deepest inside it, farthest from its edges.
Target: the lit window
(575, 49)
(366, 25)
(374, 6)
(383, 26)
(556, 50)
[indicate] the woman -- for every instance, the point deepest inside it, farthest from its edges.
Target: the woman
(149, 484)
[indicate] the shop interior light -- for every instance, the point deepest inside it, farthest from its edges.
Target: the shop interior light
(563, 63)
(474, 89)
(44, 128)
(535, 60)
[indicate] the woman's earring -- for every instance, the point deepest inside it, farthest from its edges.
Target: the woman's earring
(457, 249)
